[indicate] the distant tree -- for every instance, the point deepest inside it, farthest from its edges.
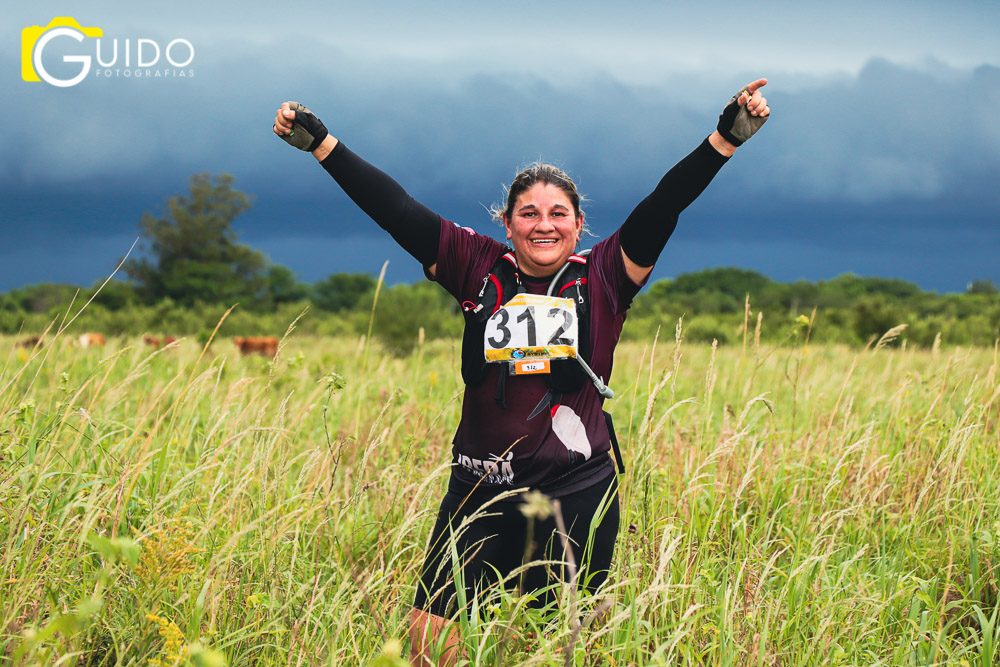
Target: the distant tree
(115, 295)
(844, 289)
(981, 287)
(732, 282)
(191, 253)
(892, 288)
(874, 315)
(282, 286)
(342, 291)
(45, 297)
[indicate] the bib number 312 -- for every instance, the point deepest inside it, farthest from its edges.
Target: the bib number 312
(532, 326)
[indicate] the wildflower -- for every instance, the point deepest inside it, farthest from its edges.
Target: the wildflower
(173, 641)
(536, 505)
(24, 415)
(334, 381)
(166, 554)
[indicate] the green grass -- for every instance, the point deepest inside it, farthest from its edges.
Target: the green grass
(792, 505)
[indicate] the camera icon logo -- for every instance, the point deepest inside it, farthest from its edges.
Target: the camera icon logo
(35, 38)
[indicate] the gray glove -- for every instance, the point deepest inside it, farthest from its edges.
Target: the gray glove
(736, 125)
(308, 132)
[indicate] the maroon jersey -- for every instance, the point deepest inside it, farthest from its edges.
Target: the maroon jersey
(566, 446)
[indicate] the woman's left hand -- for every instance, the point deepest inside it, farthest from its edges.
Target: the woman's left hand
(755, 103)
(746, 112)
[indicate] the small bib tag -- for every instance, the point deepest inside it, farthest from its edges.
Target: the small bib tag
(531, 367)
(532, 327)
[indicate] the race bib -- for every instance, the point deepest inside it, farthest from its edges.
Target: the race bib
(532, 327)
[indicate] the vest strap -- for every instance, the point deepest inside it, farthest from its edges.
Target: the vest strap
(501, 397)
(614, 442)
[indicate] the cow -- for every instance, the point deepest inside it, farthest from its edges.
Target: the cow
(263, 345)
(91, 340)
(30, 341)
(153, 341)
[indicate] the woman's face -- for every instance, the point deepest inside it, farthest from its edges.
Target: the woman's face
(543, 229)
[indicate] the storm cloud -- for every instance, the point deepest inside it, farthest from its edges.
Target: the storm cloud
(886, 166)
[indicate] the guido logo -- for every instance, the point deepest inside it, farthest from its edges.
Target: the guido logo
(120, 59)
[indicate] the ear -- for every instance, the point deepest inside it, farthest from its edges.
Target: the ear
(506, 225)
(579, 226)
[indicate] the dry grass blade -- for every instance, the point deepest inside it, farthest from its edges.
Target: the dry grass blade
(889, 336)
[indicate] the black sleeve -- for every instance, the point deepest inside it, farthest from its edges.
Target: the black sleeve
(414, 226)
(646, 230)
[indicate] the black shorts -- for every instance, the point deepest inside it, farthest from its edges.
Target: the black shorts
(493, 546)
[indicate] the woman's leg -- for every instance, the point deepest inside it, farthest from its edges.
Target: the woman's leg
(486, 546)
(425, 631)
(598, 546)
(592, 550)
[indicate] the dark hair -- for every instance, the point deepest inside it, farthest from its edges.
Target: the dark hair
(532, 175)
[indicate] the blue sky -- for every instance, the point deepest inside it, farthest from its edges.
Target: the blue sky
(882, 156)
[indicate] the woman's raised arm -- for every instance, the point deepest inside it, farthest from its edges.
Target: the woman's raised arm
(415, 227)
(645, 232)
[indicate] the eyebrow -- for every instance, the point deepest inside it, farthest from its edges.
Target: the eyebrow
(528, 206)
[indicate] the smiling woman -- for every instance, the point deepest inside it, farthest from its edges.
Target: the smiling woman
(542, 218)
(541, 325)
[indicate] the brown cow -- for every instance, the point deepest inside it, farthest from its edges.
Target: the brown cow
(91, 340)
(263, 345)
(30, 341)
(153, 341)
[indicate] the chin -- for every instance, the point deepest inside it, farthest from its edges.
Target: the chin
(552, 253)
(545, 260)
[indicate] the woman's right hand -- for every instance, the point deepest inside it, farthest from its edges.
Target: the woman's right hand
(300, 127)
(284, 119)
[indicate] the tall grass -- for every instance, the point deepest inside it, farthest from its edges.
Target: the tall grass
(789, 505)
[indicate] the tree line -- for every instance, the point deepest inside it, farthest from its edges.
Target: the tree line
(724, 304)
(191, 268)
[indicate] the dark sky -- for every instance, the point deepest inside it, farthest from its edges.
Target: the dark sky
(882, 156)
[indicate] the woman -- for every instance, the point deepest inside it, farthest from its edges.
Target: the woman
(528, 421)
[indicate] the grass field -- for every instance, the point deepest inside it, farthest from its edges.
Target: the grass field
(793, 505)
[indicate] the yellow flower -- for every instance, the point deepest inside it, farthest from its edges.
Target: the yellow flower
(166, 554)
(173, 641)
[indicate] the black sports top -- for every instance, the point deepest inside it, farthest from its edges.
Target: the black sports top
(496, 447)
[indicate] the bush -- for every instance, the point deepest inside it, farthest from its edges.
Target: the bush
(404, 309)
(706, 328)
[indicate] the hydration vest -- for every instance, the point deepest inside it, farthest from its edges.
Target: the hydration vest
(500, 285)
(566, 376)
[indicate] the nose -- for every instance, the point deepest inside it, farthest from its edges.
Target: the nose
(545, 223)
